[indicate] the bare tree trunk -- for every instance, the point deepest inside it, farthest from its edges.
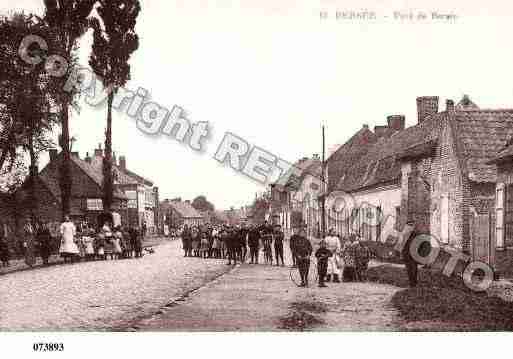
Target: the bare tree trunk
(108, 181)
(65, 168)
(33, 172)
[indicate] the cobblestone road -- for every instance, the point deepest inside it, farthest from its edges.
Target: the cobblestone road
(100, 295)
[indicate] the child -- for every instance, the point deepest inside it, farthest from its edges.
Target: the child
(116, 241)
(322, 255)
(100, 243)
(204, 245)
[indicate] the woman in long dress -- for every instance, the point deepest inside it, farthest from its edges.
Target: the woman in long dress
(68, 248)
(29, 231)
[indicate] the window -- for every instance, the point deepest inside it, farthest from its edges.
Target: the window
(397, 218)
(94, 204)
(379, 224)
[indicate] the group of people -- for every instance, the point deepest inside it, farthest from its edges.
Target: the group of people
(337, 259)
(111, 241)
(233, 241)
(82, 243)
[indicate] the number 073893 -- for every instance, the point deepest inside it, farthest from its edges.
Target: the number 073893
(48, 347)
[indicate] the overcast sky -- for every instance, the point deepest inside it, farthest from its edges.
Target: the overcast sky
(272, 72)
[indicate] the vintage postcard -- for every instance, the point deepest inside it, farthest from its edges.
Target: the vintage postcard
(255, 166)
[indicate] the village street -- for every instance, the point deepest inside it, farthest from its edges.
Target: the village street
(101, 294)
(165, 291)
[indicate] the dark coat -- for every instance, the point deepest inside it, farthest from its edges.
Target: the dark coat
(302, 246)
(254, 237)
(44, 239)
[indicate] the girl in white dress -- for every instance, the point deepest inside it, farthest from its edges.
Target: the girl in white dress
(68, 247)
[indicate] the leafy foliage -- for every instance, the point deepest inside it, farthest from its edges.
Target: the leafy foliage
(114, 41)
(68, 21)
(201, 203)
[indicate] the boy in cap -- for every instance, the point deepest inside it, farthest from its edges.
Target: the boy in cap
(322, 254)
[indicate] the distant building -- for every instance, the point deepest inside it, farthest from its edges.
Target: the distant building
(295, 197)
(239, 216)
(176, 212)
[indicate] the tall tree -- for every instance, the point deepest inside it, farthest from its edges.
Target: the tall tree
(114, 41)
(69, 20)
(201, 204)
(26, 98)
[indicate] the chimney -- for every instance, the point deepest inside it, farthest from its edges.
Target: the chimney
(122, 162)
(98, 152)
(114, 159)
(315, 156)
(380, 131)
(426, 106)
(449, 106)
(396, 122)
(87, 158)
(53, 154)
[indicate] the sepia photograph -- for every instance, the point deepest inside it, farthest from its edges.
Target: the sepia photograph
(211, 167)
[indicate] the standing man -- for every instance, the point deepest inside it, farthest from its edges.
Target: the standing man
(292, 246)
(4, 246)
(144, 228)
(333, 245)
(278, 245)
(409, 233)
(303, 250)
(253, 241)
(244, 242)
(232, 244)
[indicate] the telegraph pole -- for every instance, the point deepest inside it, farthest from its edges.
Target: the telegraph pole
(323, 186)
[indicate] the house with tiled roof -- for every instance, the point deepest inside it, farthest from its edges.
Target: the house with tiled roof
(436, 173)
(440, 172)
(176, 213)
(135, 198)
(86, 192)
(142, 194)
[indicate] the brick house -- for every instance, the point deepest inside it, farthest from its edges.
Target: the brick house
(437, 172)
(176, 212)
(86, 194)
(504, 197)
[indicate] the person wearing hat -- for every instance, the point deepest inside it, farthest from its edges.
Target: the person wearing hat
(410, 232)
(333, 245)
(278, 244)
(303, 251)
(253, 242)
(322, 254)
